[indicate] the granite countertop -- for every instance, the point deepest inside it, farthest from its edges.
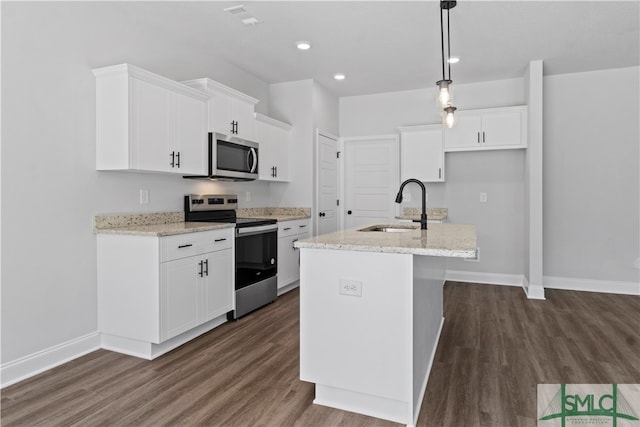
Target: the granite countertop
(279, 214)
(433, 214)
(157, 224)
(446, 240)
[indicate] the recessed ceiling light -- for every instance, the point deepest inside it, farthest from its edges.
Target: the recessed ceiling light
(303, 45)
(339, 76)
(453, 60)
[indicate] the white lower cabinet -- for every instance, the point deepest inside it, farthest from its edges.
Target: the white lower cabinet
(156, 293)
(289, 257)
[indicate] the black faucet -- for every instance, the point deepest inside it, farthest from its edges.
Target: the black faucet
(423, 216)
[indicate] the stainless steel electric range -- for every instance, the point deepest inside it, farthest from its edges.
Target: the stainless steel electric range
(256, 242)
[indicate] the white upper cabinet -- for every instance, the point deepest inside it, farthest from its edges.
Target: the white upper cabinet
(275, 145)
(421, 153)
(146, 122)
(230, 111)
(488, 129)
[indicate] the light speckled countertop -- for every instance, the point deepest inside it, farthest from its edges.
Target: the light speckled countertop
(433, 214)
(157, 224)
(446, 240)
(279, 214)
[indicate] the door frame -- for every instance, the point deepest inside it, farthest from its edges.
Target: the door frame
(316, 179)
(341, 168)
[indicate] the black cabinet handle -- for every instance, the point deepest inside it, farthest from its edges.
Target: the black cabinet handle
(206, 266)
(478, 137)
(173, 159)
(293, 244)
(287, 229)
(185, 246)
(303, 226)
(439, 173)
(349, 212)
(321, 214)
(178, 159)
(201, 270)
(273, 171)
(483, 136)
(219, 240)
(233, 126)
(276, 175)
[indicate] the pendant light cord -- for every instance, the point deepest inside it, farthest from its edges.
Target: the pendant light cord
(442, 41)
(448, 45)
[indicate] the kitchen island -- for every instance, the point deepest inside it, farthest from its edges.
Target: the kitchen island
(371, 314)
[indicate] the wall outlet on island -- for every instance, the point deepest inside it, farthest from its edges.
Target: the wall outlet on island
(637, 263)
(247, 196)
(350, 287)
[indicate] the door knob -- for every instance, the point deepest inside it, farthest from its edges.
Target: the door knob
(349, 212)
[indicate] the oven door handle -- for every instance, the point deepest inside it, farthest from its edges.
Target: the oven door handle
(256, 230)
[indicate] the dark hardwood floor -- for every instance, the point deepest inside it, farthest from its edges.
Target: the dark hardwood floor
(496, 346)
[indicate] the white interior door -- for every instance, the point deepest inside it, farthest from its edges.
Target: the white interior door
(371, 179)
(327, 183)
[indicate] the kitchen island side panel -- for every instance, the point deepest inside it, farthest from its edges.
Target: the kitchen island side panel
(357, 343)
(428, 283)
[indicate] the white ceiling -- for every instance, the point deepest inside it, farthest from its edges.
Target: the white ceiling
(395, 45)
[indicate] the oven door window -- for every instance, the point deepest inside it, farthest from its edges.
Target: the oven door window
(256, 257)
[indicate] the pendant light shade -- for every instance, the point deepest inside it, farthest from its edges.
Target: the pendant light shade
(449, 119)
(444, 85)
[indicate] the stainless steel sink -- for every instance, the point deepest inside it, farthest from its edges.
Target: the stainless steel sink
(389, 228)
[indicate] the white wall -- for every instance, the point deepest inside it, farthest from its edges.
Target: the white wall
(498, 173)
(306, 105)
(591, 175)
(292, 102)
(50, 189)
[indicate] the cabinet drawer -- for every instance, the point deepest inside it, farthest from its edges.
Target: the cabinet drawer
(190, 244)
(290, 228)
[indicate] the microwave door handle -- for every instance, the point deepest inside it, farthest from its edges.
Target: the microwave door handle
(254, 160)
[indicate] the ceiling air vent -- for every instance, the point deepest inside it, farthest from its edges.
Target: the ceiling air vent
(234, 10)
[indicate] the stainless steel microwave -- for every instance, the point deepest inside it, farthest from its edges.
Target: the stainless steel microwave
(231, 159)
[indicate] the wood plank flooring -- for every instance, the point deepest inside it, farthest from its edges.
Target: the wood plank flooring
(496, 346)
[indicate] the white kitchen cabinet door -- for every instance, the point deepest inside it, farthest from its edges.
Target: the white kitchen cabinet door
(230, 111)
(422, 153)
(465, 133)
(151, 126)
(179, 296)
(146, 122)
(217, 285)
(289, 257)
(502, 128)
(488, 129)
(288, 268)
(273, 138)
(191, 135)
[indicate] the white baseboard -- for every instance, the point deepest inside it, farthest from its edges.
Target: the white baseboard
(33, 364)
(532, 291)
(590, 285)
(488, 278)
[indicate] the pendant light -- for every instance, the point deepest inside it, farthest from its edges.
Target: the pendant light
(444, 85)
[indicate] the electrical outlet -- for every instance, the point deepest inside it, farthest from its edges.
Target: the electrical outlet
(350, 287)
(247, 196)
(483, 197)
(144, 196)
(637, 263)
